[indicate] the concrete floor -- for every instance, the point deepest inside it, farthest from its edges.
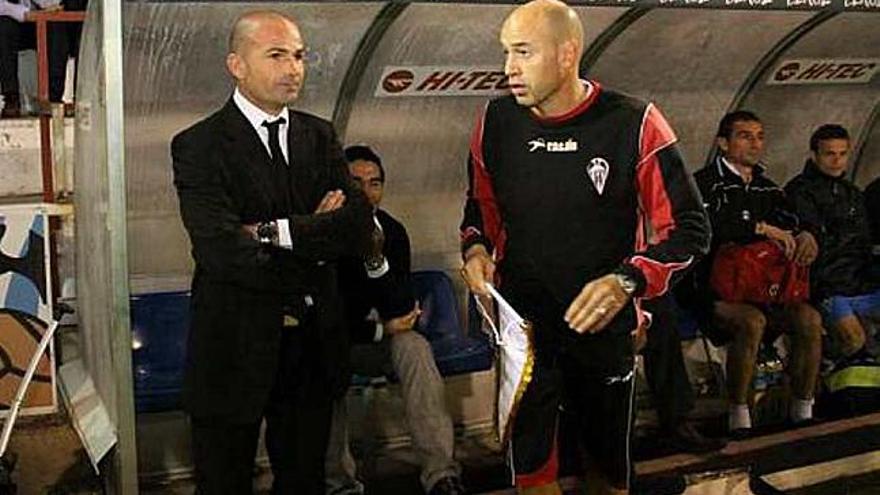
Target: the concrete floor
(868, 484)
(51, 461)
(50, 458)
(394, 471)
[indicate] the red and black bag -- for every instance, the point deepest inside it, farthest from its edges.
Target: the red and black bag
(758, 273)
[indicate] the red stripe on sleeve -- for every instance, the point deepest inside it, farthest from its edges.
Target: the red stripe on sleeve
(657, 274)
(655, 135)
(483, 192)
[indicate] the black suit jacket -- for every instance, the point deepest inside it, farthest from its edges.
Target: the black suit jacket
(391, 294)
(223, 176)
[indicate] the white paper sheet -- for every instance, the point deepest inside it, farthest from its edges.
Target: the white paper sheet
(513, 340)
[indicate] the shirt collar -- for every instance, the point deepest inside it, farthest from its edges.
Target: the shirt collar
(255, 115)
(723, 164)
(592, 91)
(730, 167)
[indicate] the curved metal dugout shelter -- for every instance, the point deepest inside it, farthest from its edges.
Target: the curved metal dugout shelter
(792, 112)
(150, 69)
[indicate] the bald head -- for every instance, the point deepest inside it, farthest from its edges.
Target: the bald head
(543, 42)
(250, 22)
(554, 19)
(267, 59)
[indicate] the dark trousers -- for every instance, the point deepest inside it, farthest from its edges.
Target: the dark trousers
(297, 431)
(63, 42)
(667, 378)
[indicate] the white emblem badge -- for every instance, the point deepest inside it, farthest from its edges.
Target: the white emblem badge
(597, 171)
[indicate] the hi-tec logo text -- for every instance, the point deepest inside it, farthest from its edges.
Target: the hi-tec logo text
(567, 146)
(825, 71)
(432, 80)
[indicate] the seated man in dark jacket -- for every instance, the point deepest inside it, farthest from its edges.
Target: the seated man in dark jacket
(382, 314)
(833, 209)
(745, 206)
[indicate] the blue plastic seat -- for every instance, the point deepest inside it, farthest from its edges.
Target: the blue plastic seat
(455, 351)
(160, 325)
(688, 326)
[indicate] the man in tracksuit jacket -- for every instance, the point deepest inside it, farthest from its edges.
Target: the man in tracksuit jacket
(565, 177)
(833, 209)
(746, 206)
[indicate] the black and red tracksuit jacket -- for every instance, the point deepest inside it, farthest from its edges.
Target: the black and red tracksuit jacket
(600, 189)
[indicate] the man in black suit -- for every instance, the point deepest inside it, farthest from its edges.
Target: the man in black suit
(269, 207)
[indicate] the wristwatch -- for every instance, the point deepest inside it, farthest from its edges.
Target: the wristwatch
(267, 232)
(373, 263)
(627, 283)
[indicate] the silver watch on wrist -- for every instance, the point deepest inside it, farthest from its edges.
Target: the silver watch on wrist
(627, 283)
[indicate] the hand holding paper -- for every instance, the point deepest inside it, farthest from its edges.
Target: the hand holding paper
(478, 269)
(516, 355)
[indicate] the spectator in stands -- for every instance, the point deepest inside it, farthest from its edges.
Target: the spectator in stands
(382, 315)
(667, 378)
(16, 34)
(872, 204)
(746, 206)
(833, 209)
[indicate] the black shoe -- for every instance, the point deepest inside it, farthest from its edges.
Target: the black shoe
(450, 485)
(740, 433)
(686, 438)
(802, 423)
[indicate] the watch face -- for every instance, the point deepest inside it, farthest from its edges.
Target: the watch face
(373, 263)
(266, 231)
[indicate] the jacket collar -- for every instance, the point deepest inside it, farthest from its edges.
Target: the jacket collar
(812, 171)
(593, 89)
(237, 128)
(243, 138)
(722, 170)
(256, 116)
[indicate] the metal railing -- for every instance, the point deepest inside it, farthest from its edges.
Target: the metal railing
(42, 20)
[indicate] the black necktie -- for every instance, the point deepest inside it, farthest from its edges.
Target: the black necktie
(275, 143)
(280, 172)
